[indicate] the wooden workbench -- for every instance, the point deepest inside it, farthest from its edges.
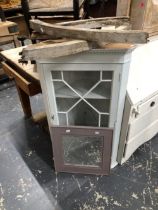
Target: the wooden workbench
(26, 79)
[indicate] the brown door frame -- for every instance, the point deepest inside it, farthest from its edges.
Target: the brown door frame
(58, 131)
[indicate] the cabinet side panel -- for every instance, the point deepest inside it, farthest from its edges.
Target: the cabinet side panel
(117, 129)
(124, 129)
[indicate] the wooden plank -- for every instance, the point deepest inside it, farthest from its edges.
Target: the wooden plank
(104, 20)
(142, 137)
(93, 35)
(97, 22)
(144, 16)
(137, 14)
(120, 46)
(48, 50)
(40, 37)
(57, 48)
(123, 7)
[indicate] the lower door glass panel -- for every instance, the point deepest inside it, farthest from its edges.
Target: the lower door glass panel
(82, 150)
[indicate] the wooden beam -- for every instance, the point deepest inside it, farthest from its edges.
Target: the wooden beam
(123, 7)
(93, 35)
(97, 22)
(47, 50)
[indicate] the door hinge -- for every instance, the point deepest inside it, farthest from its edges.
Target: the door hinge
(135, 112)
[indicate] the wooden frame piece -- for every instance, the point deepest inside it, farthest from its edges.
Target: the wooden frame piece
(144, 16)
(58, 132)
(48, 50)
(123, 7)
(98, 22)
(90, 34)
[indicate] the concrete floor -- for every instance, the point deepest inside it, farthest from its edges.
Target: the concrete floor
(28, 180)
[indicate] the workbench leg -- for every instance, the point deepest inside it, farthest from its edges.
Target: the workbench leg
(25, 102)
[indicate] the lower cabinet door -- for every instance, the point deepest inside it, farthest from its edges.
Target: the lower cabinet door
(82, 149)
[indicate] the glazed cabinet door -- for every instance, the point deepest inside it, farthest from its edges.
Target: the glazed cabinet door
(82, 150)
(82, 98)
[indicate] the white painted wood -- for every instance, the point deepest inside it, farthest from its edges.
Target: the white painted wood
(44, 92)
(115, 95)
(140, 117)
(120, 107)
(143, 72)
(102, 61)
(144, 136)
(137, 127)
(142, 122)
(48, 92)
(124, 129)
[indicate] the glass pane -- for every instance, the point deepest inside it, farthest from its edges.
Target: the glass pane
(104, 121)
(102, 105)
(62, 119)
(63, 91)
(81, 81)
(83, 150)
(56, 74)
(107, 75)
(64, 104)
(83, 115)
(102, 91)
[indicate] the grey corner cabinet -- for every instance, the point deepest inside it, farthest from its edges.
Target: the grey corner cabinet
(84, 98)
